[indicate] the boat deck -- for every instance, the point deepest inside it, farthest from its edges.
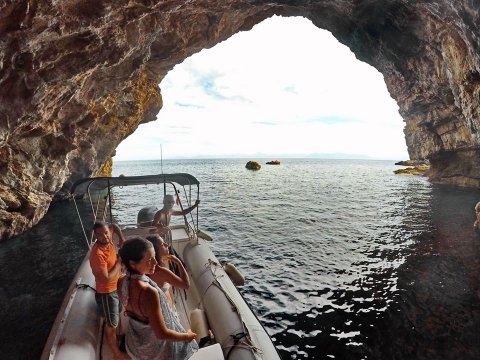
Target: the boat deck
(185, 300)
(213, 301)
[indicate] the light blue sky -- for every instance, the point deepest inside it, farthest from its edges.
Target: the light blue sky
(266, 92)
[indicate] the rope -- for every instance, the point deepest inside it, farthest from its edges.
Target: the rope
(208, 266)
(91, 204)
(214, 283)
(241, 339)
(246, 344)
(81, 223)
(256, 317)
(85, 286)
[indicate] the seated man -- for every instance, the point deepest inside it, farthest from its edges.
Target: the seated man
(163, 216)
(106, 267)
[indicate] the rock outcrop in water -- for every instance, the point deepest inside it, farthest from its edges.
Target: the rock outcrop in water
(412, 162)
(78, 76)
(416, 170)
(253, 165)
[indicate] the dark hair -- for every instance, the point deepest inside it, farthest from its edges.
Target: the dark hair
(99, 224)
(154, 240)
(134, 249)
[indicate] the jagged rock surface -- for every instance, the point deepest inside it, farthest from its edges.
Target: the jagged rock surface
(78, 76)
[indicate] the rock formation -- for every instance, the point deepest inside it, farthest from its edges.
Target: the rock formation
(416, 170)
(412, 162)
(273, 162)
(78, 76)
(253, 165)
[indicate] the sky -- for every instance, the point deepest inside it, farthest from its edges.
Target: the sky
(285, 88)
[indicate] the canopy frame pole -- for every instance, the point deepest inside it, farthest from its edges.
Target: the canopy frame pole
(110, 202)
(198, 198)
(179, 202)
(96, 209)
(91, 201)
(189, 203)
(161, 169)
(100, 183)
(94, 213)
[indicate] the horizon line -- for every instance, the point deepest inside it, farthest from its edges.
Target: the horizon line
(263, 158)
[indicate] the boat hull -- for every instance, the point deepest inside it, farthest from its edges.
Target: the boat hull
(78, 330)
(75, 332)
(231, 320)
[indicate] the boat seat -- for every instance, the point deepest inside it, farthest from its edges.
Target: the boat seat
(212, 352)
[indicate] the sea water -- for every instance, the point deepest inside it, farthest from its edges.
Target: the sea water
(343, 259)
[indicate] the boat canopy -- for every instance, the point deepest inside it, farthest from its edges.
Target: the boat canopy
(83, 186)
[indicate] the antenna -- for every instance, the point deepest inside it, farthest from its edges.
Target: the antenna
(161, 169)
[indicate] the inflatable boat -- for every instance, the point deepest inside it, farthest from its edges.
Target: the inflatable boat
(212, 306)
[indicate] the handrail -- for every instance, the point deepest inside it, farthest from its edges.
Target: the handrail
(91, 187)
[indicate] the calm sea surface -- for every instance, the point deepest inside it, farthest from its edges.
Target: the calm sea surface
(343, 259)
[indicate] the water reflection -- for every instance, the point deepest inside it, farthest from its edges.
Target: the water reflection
(349, 262)
(415, 296)
(37, 268)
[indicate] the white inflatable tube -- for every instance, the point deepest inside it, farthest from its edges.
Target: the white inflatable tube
(228, 314)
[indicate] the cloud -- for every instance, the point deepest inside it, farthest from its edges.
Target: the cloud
(291, 89)
(177, 103)
(268, 123)
(280, 95)
(332, 119)
(208, 85)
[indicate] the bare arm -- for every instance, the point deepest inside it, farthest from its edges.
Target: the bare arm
(104, 275)
(116, 230)
(165, 275)
(152, 310)
(187, 210)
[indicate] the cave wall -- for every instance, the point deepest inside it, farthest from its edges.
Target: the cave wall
(78, 76)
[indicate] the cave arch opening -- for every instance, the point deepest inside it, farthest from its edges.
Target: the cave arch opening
(265, 93)
(283, 89)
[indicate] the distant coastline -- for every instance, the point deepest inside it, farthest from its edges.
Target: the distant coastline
(267, 157)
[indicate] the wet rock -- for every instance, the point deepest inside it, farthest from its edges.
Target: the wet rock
(412, 162)
(273, 162)
(253, 165)
(416, 170)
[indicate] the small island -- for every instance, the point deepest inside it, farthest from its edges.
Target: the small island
(253, 165)
(417, 167)
(273, 162)
(413, 162)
